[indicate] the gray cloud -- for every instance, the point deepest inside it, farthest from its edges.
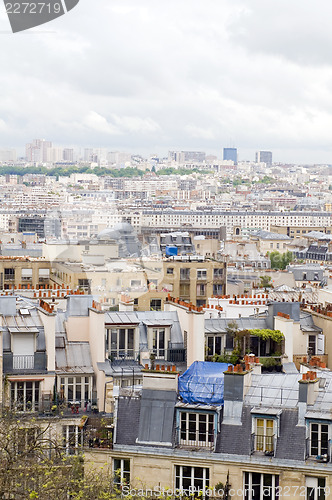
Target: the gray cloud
(155, 75)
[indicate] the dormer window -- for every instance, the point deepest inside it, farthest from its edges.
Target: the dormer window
(265, 429)
(264, 436)
(23, 349)
(120, 342)
(197, 429)
(319, 440)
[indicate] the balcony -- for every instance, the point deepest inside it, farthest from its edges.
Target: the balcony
(35, 363)
(23, 362)
(263, 444)
(175, 353)
(318, 450)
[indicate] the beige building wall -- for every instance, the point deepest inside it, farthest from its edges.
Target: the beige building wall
(48, 320)
(96, 337)
(325, 322)
(153, 470)
(192, 325)
(276, 245)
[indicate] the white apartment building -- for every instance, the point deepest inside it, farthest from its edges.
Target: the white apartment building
(231, 219)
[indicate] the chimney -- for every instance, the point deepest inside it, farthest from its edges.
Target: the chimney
(160, 380)
(308, 392)
(236, 386)
(126, 303)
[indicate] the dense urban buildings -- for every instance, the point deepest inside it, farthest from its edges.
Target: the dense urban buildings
(125, 279)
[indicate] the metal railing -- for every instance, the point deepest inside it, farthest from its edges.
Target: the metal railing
(319, 450)
(23, 362)
(264, 443)
(68, 408)
(172, 355)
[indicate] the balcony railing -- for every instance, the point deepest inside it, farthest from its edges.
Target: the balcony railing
(23, 362)
(176, 354)
(263, 443)
(319, 450)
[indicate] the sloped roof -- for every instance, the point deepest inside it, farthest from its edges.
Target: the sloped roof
(75, 357)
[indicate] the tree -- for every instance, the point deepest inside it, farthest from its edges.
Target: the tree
(34, 464)
(265, 282)
(280, 261)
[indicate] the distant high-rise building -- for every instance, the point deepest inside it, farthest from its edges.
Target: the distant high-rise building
(230, 154)
(88, 153)
(7, 155)
(68, 155)
(186, 156)
(36, 151)
(54, 155)
(264, 157)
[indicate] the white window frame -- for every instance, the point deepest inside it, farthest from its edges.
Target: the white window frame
(156, 332)
(265, 437)
(116, 351)
(213, 337)
(193, 479)
(319, 437)
(313, 490)
(198, 417)
(248, 489)
(120, 473)
(63, 383)
(26, 406)
(201, 274)
(78, 434)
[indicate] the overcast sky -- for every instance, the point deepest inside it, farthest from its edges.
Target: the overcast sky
(147, 76)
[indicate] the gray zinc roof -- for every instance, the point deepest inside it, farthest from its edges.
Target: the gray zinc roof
(273, 390)
(219, 325)
(75, 357)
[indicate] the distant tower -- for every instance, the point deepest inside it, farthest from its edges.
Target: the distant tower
(230, 154)
(264, 157)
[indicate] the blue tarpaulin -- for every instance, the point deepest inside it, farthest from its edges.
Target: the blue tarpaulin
(171, 251)
(203, 382)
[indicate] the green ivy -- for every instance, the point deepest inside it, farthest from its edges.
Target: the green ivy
(265, 334)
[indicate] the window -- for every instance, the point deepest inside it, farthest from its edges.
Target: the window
(75, 388)
(264, 438)
(218, 273)
(312, 344)
(72, 439)
(191, 480)
(23, 349)
(84, 283)
(121, 469)
(120, 342)
(185, 273)
(25, 395)
(9, 274)
(184, 290)
(158, 342)
(170, 270)
(135, 283)
(155, 305)
(319, 439)
(197, 429)
(217, 289)
(315, 488)
(26, 275)
(201, 290)
(214, 344)
(260, 486)
(201, 274)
